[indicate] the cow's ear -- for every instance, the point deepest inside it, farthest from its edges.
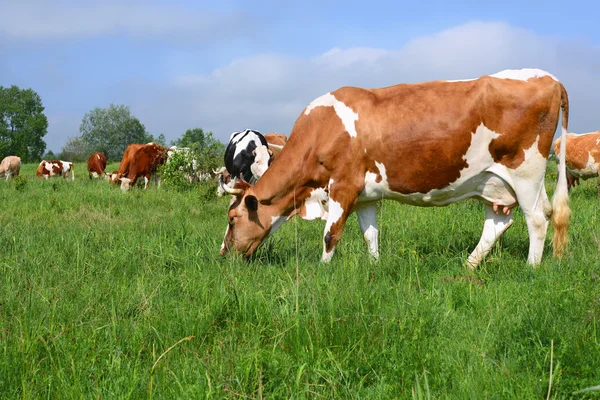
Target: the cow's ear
(254, 152)
(251, 203)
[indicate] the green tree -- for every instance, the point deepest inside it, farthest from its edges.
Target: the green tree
(22, 124)
(110, 130)
(49, 155)
(208, 150)
(74, 150)
(161, 140)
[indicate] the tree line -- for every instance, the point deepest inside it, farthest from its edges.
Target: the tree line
(110, 130)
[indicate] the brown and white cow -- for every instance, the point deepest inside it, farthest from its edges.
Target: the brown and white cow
(424, 144)
(47, 169)
(582, 157)
(143, 164)
(124, 164)
(96, 165)
(10, 167)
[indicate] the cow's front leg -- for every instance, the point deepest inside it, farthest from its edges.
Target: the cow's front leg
(341, 203)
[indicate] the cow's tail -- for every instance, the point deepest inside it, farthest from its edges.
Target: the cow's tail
(560, 202)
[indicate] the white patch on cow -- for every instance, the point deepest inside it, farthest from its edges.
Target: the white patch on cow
(345, 113)
(327, 256)
(518, 74)
(95, 175)
(375, 190)
(242, 141)
(597, 141)
(479, 160)
(522, 74)
(98, 155)
(261, 161)
(125, 184)
(589, 171)
(335, 213)
(316, 205)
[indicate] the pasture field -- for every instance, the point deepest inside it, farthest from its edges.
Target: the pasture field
(105, 294)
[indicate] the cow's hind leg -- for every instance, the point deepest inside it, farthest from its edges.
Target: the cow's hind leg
(533, 200)
(367, 219)
(496, 223)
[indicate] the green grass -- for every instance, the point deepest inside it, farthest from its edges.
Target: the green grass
(96, 286)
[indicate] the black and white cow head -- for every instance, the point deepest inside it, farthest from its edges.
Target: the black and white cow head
(240, 154)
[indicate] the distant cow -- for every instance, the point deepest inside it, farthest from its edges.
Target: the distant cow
(582, 157)
(46, 169)
(10, 167)
(247, 157)
(124, 165)
(143, 164)
(96, 165)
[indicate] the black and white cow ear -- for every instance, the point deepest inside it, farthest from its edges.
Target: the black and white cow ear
(251, 203)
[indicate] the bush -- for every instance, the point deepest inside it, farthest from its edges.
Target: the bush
(174, 173)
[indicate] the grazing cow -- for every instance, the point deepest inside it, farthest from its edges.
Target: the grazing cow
(96, 165)
(248, 155)
(10, 167)
(47, 169)
(582, 157)
(239, 154)
(424, 144)
(143, 164)
(124, 165)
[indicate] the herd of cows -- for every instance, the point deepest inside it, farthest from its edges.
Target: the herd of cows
(425, 144)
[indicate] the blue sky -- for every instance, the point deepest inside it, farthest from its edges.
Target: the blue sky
(228, 65)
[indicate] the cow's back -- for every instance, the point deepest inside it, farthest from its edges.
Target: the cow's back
(422, 132)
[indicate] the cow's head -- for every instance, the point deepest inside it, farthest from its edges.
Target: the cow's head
(249, 222)
(125, 183)
(262, 157)
(114, 177)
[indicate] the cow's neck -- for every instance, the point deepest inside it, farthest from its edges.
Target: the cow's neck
(285, 185)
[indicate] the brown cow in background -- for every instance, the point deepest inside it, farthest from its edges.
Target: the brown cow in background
(96, 165)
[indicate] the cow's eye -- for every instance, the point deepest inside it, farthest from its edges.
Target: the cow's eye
(231, 220)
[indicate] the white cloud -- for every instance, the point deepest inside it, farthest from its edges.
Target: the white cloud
(268, 92)
(46, 20)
